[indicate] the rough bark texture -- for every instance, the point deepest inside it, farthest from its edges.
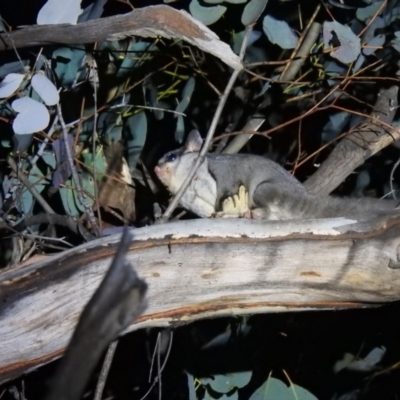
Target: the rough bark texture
(150, 21)
(361, 143)
(199, 269)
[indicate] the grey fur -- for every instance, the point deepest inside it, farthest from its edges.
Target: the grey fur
(274, 193)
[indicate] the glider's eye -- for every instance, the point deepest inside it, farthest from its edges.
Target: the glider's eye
(171, 157)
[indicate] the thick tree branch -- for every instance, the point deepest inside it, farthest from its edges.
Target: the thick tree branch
(200, 269)
(150, 21)
(360, 144)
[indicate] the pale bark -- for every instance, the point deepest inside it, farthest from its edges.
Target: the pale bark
(200, 269)
(361, 143)
(150, 21)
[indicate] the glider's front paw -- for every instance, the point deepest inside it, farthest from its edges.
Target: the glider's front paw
(235, 206)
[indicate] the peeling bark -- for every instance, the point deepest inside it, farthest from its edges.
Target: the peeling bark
(201, 269)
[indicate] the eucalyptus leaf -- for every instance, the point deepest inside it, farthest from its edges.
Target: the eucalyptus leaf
(109, 126)
(84, 16)
(59, 12)
(192, 389)
(230, 396)
(376, 41)
(359, 62)
(10, 84)
(365, 13)
(45, 89)
(152, 91)
(238, 40)
(186, 95)
(265, 88)
(252, 11)
(206, 15)
(227, 1)
(114, 134)
(17, 67)
(391, 16)
(132, 57)
(95, 164)
(32, 116)
(335, 126)
(92, 11)
(71, 198)
(49, 158)
(35, 177)
(333, 68)
(225, 383)
(273, 389)
(63, 170)
(279, 32)
(21, 142)
(69, 63)
(88, 186)
(341, 5)
(85, 130)
(135, 132)
(25, 203)
(180, 129)
(68, 199)
(396, 42)
(343, 363)
(350, 46)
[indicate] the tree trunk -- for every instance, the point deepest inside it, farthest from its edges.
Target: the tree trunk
(199, 269)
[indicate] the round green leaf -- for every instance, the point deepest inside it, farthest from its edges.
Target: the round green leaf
(135, 132)
(33, 116)
(279, 32)
(350, 46)
(206, 15)
(10, 84)
(252, 11)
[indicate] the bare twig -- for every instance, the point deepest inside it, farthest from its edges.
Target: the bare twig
(361, 143)
(303, 47)
(207, 141)
(81, 195)
(239, 141)
(30, 186)
(392, 189)
(161, 368)
(104, 370)
(40, 151)
(51, 219)
(94, 80)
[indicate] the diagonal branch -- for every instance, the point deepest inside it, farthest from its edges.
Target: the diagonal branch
(150, 21)
(363, 142)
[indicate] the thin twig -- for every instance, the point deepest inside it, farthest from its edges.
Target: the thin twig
(93, 71)
(392, 190)
(46, 140)
(207, 141)
(161, 369)
(305, 48)
(30, 186)
(50, 239)
(150, 108)
(12, 44)
(104, 370)
(383, 5)
(81, 195)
